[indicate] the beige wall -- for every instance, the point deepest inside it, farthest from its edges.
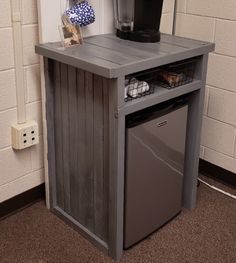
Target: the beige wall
(215, 21)
(19, 171)
(167, 16)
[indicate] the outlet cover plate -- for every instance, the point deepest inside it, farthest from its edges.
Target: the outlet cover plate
(24, 135)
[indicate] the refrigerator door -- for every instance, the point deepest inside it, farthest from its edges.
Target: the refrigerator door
(154, 174)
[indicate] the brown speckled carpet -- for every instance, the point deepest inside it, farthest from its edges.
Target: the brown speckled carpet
(207, 234)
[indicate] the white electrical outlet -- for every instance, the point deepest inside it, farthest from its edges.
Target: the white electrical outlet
(24, 135)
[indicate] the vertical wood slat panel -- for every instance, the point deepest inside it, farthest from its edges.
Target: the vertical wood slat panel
(116, 170)
(49, 72)
(65, 135)
(58, 137)
(98, 157)
(73, 138)
(82, 149)
(88, 187)
(81, 208)
(105, 158)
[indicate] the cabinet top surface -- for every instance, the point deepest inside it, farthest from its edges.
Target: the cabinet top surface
(111, 57)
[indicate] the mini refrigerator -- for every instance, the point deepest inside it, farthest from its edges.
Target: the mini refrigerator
(155, 151)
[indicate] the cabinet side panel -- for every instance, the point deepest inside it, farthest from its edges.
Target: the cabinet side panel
(89, 160)
(99, 176)
(65, 135)
(106, 157)
(58, 137)
(73, 139)
(191, 172)
(49, 70)
(116, 168)
(82, 147)
(79, 198)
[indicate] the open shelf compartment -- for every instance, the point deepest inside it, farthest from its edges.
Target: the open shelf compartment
(159, 95)
(169, 76)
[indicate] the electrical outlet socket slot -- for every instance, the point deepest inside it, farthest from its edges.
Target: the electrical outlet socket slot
(24, 135)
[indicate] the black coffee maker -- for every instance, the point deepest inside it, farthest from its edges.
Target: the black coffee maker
(138, 20)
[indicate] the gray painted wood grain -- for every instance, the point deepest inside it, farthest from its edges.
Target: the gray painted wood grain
(82, 153)
(113, 44)
(116, 171)
(98, 133)
(182, 42)
(114, 62)
(86, 126)
(81, 161)
(50, 118)
(73, 141)
(106, 159)
(160, 95)
(162, 48)
(65, 135)
(193, 139)
(81, 229)
(58, 134)
(89, 125)
(114, 56)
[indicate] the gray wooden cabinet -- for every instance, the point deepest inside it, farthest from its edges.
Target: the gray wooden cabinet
(86, 114)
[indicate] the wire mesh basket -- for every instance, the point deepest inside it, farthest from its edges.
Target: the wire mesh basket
(140, 84)
(169, 76)
(177, 74)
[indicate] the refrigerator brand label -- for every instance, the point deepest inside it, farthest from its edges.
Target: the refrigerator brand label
(161, 124)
